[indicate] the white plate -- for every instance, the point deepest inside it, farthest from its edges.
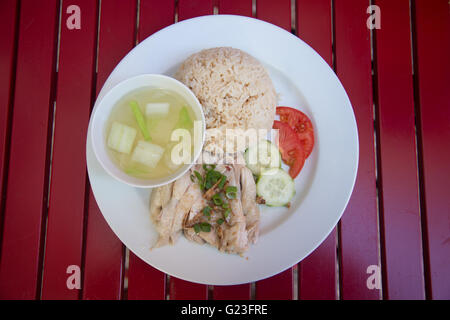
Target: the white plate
(303, 80)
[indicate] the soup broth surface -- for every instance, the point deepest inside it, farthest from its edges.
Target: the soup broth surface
(159, 126)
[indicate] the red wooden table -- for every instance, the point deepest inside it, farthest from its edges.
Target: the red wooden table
(397, 223)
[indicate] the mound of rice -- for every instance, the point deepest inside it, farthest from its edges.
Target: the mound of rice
(233, 88)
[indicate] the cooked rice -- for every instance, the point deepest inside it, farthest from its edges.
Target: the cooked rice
(233, 87)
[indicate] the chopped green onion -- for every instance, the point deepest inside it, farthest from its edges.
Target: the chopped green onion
(217, 199)
(220, 221)
(231, 192)
(200, 179)
(225, 205)
(197, 228)
(223, 179)
(212, 176)
(207, 211)
(227, 213)
(205, 227)
(140, 119)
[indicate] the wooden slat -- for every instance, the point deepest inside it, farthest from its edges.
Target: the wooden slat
(279, 287)
(28, 167)
(397, 154)
(194, 8)
(317, 273)
(180, 289)
(276, 12)
(185, 290)
(314, 26)
(358, 227)
(237, 292)
(153, 16)
(432, 49)
(8, 34)
(68, 175)
(239, 7)
(103, 268)
(145, 282)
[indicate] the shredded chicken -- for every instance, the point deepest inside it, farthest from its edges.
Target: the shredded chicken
(186, 206)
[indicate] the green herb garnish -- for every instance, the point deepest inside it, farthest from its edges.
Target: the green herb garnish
(231, 192)
(220, 221)
(227, 213)
(197, 228)
(205, 227)
(212, 177)
(217, 199)
(222, 182)
(207, 211)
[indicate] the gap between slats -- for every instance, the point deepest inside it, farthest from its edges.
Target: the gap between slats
(87, 184)
(49, 151)
(379, 184)
(419, 153)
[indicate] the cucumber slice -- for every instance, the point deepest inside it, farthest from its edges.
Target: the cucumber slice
(121, 137)
(276, 187)
(264, 155)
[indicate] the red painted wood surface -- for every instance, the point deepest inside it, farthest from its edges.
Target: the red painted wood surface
(180, 289)
(237, 292)
(185, 290)
(275, 12)
(8, 33)
(153, 16)
(358, 227)
(238, 7)
(405, 96)
(317, 273)
(144, 281)
(194, 8)
(103, 268)
(63, 245)
(278, 287)
(397, 156)
(432, 48)
(26, 196)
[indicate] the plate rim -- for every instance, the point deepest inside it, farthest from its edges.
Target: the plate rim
(355, 159)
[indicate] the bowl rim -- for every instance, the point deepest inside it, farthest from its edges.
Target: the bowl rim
(144, 183)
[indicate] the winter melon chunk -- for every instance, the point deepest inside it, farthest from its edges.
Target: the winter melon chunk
(147, 153)
(121, 137)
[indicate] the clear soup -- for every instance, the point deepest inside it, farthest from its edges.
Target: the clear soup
(161, 112)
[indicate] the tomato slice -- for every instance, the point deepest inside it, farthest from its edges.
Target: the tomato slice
(290, 147)
(301, 124)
